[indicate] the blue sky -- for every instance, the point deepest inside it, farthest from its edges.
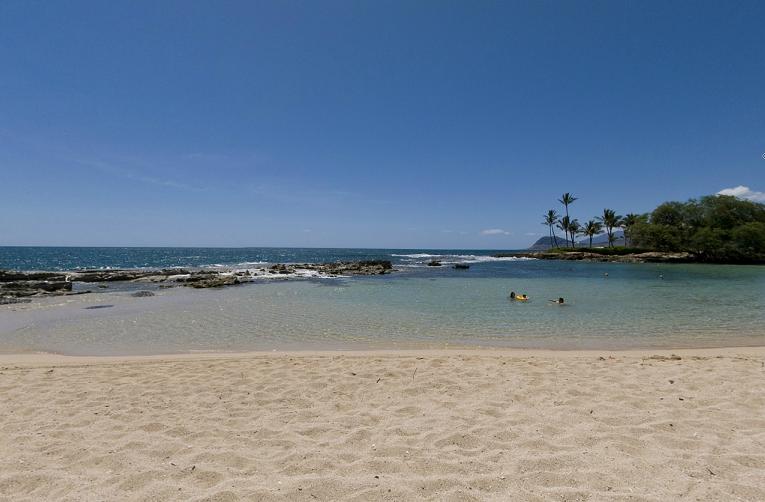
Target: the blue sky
(367, 124)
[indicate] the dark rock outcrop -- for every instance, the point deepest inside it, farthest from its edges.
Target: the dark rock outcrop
(15, 289)
(9, 301)
(215, 281)
(11, 276)
(21, 284)
(141, 294)
(646, 257)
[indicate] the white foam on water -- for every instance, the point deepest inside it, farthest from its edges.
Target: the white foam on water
(420, 259)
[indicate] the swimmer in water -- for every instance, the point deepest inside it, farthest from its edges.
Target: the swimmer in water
(559, 301)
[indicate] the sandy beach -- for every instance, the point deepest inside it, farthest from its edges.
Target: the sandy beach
(467, 425)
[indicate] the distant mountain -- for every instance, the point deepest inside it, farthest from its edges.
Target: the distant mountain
(602, 240)
(547, 242)
(597, 241)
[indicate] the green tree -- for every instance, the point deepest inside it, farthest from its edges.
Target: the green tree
(566, 199)
(591, 229)
(564, 224)
(610, 220)
(749, 238)
(574, 227)
(629, 221)
(550, 219)
(715, 228)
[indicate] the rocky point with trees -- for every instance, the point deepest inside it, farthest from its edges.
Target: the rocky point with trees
(713, 228)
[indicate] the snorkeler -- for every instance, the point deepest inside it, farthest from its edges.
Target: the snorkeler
(559, 301)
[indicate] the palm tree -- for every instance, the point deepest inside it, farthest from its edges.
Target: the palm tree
(574, 228)
(564, 224)
(551, 218)
(567, 199)
(610, 220)
(628, 222)
(591, 229)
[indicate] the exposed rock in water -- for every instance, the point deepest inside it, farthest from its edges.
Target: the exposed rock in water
(9, 301)
(434, 263)
(213, 282)
(371, 267)
(12, 276)
(21, 284)
(141, 294)
(14, 289)
(125, 275)
(647, 257)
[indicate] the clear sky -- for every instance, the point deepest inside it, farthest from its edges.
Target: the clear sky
(367, 124)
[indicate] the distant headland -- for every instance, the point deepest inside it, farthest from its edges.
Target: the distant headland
(712, 229)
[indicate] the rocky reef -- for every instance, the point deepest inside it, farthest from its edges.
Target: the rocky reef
(16, 286)
(646, 257)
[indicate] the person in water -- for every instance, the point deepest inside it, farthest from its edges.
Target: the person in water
(559, 301)
(522, 298)
(512, 295)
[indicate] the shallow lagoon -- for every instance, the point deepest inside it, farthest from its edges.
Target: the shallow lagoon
(634, 306)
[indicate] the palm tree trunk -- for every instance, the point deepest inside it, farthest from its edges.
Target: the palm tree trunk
(567, 218)
(590, 242)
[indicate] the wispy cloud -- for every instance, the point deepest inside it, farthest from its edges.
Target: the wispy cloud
(743, 192)
(494, 231)
(123, 172)
(295, 193)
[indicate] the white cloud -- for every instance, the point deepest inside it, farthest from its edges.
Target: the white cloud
(494, 231)
(743, 192)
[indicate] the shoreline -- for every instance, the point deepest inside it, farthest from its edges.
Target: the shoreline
(46, 358)
(642, 257)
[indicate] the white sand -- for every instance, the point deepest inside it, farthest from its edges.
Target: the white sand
(469, 425)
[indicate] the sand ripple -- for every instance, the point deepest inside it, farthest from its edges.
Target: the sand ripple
(311, 427)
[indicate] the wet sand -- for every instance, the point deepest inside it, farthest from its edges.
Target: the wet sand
(388, 425)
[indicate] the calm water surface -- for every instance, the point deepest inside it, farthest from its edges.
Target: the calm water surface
(634, 306)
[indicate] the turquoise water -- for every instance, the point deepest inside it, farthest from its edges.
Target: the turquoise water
(634, 306)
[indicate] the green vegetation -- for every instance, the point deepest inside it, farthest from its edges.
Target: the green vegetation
(613, 251)
(611, 221)
(551, 218)
(715, 228)
(591, 229)
(566, 224)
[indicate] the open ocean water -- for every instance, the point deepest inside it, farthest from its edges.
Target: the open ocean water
(633, 306)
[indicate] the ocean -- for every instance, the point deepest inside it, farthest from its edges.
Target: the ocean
(75, 258)
(608, 305)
